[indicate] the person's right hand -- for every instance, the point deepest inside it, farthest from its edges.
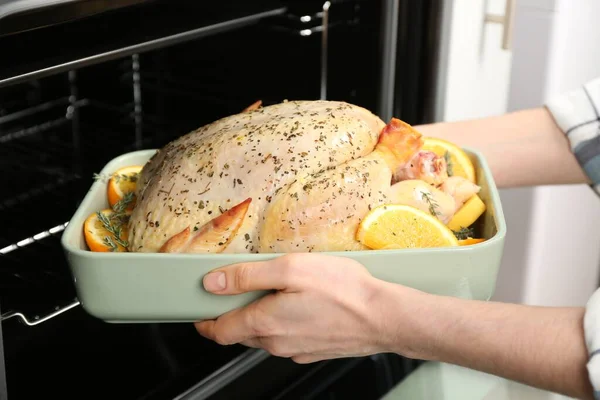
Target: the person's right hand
(324, 307)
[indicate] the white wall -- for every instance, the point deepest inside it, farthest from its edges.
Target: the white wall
(557, 263)
(527, 88)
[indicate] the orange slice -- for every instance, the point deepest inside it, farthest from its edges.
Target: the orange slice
(398, 226)
(467, 214)
(122, 184)
(459, 163)
(106, 231)
(470, 241)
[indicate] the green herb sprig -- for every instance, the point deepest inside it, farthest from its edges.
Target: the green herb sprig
(112, 228)
(463, 233)
(433, 205)
(121, 206)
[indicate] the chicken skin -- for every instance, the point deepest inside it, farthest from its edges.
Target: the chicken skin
(292, 177)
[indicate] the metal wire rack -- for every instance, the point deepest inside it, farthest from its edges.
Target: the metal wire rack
(41, 152)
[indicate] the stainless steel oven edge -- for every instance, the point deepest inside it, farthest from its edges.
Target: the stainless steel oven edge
(225, 375)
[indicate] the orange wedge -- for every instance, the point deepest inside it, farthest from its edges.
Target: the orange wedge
(459, 163)
(122, 183)
(396, 226)
(470, 241)
(106, 231)
(467, 214)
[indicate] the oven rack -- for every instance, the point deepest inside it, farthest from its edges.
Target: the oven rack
(154, 34)
(130, 35)
(42, 141)
(44, 146)
(15, 263)
(36, 319)
(33, 239)
(23, 144)
(295, 24)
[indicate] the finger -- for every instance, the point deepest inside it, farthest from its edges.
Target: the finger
(205, 328)
(245, 277)
(312, 358)
(230, 328)
(254, 343)
(306, 358)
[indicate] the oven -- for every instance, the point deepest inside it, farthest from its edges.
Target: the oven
(82, 81)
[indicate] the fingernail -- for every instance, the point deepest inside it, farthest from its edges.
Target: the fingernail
(215, 281)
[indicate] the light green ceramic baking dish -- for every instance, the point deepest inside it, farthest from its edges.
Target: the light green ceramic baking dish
(152, 287)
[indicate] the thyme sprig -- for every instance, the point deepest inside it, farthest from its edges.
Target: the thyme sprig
(121, 206)
(113, 228)
(463, 233)
(101, 177)
(433, 205)
(117, 177)
(110, 243)
(117, 220)
(119, 217)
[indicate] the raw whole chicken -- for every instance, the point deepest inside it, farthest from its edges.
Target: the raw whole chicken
(292, 177)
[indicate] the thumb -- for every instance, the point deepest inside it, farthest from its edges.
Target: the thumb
(246, 277)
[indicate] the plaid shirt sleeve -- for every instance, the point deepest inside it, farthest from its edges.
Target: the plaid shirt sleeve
(577, 113)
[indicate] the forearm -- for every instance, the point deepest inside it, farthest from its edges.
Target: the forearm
(523, 148)
(539, 346)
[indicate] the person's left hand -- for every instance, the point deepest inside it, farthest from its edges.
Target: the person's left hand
(324, 307)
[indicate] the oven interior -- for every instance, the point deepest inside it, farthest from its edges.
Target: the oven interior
(77, 93)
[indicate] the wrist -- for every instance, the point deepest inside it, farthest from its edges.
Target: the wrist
(410, 322)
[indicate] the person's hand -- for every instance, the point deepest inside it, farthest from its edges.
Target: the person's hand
(324, 307)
